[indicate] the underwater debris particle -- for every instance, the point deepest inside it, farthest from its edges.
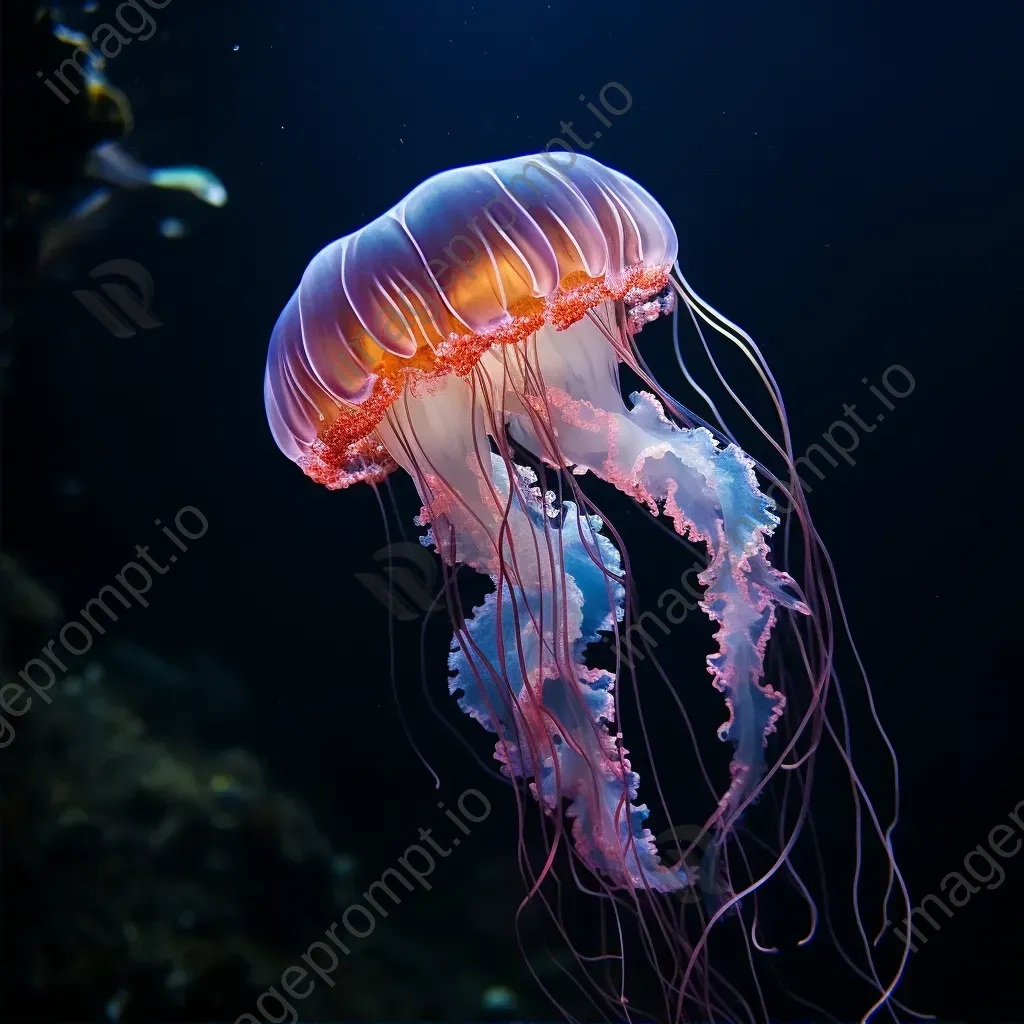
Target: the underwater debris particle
(173, 227)
(498, 997)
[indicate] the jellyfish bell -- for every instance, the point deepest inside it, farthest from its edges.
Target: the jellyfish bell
(473, 258)
(488, 314)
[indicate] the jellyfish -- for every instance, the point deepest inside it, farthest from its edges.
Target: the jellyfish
(475, 337)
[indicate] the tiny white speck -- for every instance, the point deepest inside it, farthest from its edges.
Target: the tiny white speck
(235, 47)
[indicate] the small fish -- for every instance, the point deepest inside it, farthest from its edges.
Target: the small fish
(203, 184)
(111, 163)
